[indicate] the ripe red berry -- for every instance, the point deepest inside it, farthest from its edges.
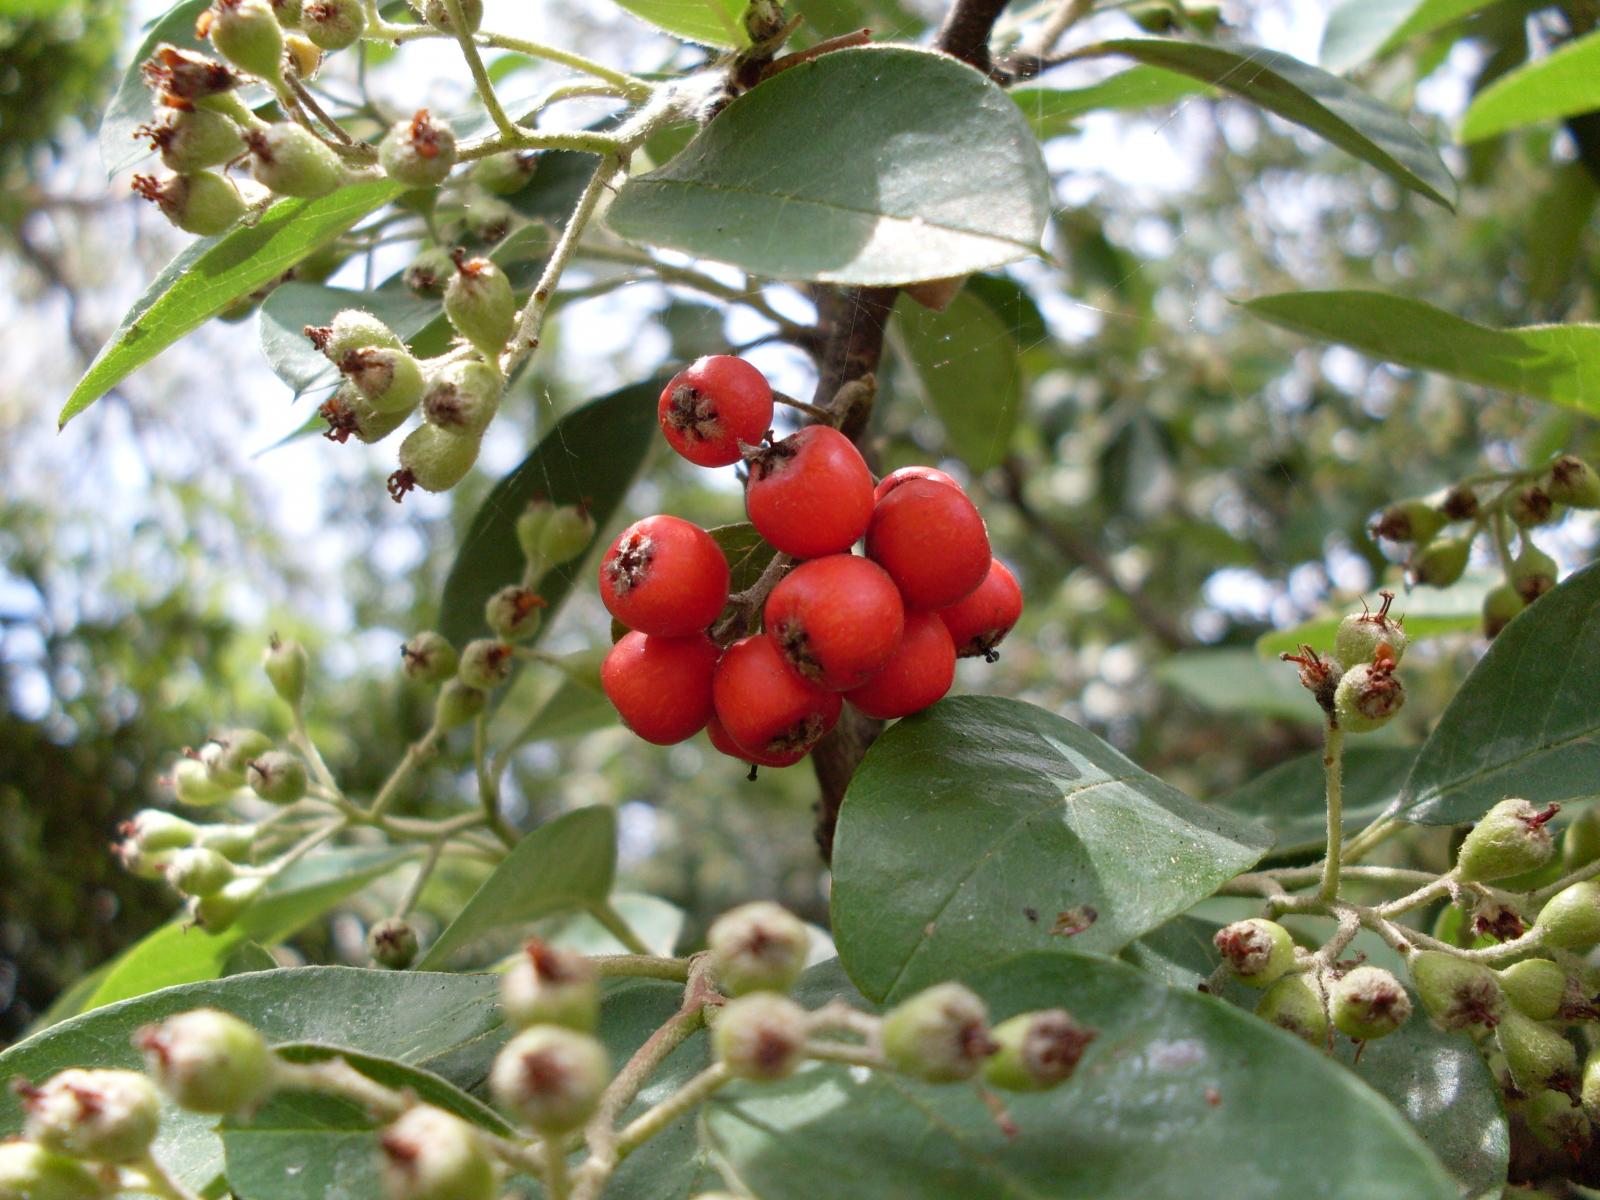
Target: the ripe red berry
(931, 540)
(711, 406)
(764, 705)
(664, 576)
(661, 686)
(811, 493)
(920, 672)
(980, 622)
(723, 742)
(895, 478)
(836, 620)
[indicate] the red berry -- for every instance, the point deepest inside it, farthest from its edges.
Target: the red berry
(764, 705)
(711, 406)
(931, 540)
(721, 741)
(661, 686)
(811, 493)
(895, 478)
(980, 622)
(920, 672)
(836, 620)
(664, 576)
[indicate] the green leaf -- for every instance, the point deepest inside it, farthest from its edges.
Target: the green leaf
(1011, 303)
(1547, 362)
(964, 362)
(1562, 84)
(133, 103)
(747, 552)
(1428, 613)
(293, 306)
(1359, 30)
(1176, 1085)
(176, 954)
(1525, 722)
(971, 825)
(564, 865)
(1311, 98)
(709, 22)
(658, 922)
(1236, 680)
(913, 166)
(214, 272)
(1290, 799)
(1051, 111)
(445, 1024)
(590, 457)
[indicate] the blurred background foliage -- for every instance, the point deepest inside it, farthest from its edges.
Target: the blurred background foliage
(1181, 478)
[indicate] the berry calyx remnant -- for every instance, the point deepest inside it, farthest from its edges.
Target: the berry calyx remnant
(664, 576)
(757, 947)
(811, 493)
(713, 408)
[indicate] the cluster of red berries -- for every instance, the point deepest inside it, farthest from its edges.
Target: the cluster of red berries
(881, 631)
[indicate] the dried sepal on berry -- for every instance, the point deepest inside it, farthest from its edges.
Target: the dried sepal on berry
(208, 1061)
(940, 1035)
(1258, 952)
(418, 151)
(1513, 837)
(429, 658)
(1368, 1003)
(760, 946)
(333, 24)
(104, 1116)
(1038, 1050)
(1368, 636)
(551, 1077)
(547, 985)
(1459, 995)
(760, 1036)
(392, 943)
(201, 203)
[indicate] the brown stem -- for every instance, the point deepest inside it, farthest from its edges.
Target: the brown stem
(966, 29)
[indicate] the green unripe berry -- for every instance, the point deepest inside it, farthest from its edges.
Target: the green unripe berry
(193, 139)
(1573, 482)
(418, 152)
(434, 460)
(462, 398)
(247, 34)
(390, 379)
(429, 658)
(1580, 844)
(302, 58)
(513, 614)
(223, 907)
(428, 1154)
(551, 1077)
(1533, 572)
(1499, 606)
(333, 24)
(1038, 1051)
(1368, 1003)
(287, 12)
(757, 947)
(30, 1172)
(1367, 698)
(231, 841)
(193, 785)
(1362, 636)
(489, 219)
(1258, 952)
(1536, 986)
(1442, 562)
(458, 704)
(232, 753)
(1153, 16)
(289, 161)
(1531, 507)
(429, 272)
(1537, 1056)
(1558, 1124)
(1459, 995)
(940, 1035)
(392, 943)
(1590, 1085)
(761, 1036)
(1409, 521)
(1295, 1004)
(201, 203)
(352, 329)
(566, 534)
(530, 529)
(104, 1116)
(277, 776)
(479, 302)
(486, 664)
(437, 13)
(208, 1061)
(155, 829)
(286, 665)
(1570, 920)
(505, 174)
(197, 871)
(1513, 837)
(550, 986)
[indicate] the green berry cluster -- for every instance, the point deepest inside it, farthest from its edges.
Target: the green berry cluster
(1356, 685)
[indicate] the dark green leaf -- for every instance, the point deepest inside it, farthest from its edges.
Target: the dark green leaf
(913, 167)
(1359, 30)
(590, 457)
(1176, 1085)
(964, 361)
(1312, 98)
(1015, 308)
(747, 552)
(969, 827)
(1290, 799)
(1232, 680)
(1547, 362)
(1051, 111)
(709, 22)
(1562, 84)
(214, 272)
(1525, 722)
(564, 865)
(133, 104)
